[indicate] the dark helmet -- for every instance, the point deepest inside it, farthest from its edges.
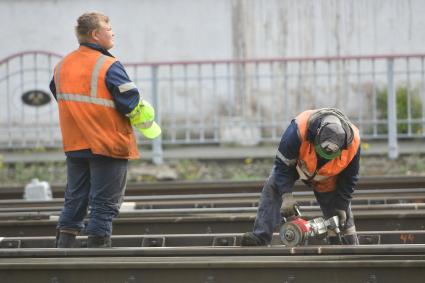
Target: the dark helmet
(330, 138)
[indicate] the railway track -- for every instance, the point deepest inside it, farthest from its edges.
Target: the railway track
(48, 211)
(200, 240)
(376, 196)
(133, 223)
(214, 258)
(381, 209)
(190, 232)
(378, 263)
(175, 188)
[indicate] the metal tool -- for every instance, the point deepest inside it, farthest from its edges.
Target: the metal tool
(295, 230)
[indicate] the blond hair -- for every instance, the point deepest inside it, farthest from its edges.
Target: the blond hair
(87, 23)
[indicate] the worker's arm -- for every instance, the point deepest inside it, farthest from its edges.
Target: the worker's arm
(346, 182)
(284, 169)
(124, 92)
(128, 101)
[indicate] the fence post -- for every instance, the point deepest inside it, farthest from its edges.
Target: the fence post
(157, 154)
(392, 112)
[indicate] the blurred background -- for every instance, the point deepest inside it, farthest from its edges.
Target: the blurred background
(226, 78)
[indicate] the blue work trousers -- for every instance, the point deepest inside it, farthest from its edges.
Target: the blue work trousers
(268, 213)
(96, 184)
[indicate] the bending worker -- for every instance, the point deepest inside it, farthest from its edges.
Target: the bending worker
(98, 104)
(322, 148)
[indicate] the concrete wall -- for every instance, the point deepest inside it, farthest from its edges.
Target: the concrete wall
(170, 30)
(145, 30)
(269, 28)
(164, 30)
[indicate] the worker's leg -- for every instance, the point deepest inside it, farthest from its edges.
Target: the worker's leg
(108, 182)
(268, 214)
(349, 233)
(75, 203)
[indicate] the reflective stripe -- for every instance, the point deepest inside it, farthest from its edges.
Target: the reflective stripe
(301, 173)
(319, 178)
(57, 80)
(287, 161)
(87, 99)
(127, 86)
(93, 88)
(305, 175)
(95, 75)
(145, 125)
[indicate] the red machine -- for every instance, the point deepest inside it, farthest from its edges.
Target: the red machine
(295, 231)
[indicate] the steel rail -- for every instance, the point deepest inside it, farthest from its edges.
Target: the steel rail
(215, 240)
(392, 251)
(45, 212)
(206, 187)
(405, 263)
(44, 225)
(382, 196)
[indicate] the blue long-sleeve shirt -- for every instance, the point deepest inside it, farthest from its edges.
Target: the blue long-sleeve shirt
(286, 174)
(116, 76)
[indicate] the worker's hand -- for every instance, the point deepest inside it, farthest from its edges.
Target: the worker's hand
(288, 205)
(342, 217)
(142, 117)
(142, 113)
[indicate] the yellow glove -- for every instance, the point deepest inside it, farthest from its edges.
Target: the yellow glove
(142, 117)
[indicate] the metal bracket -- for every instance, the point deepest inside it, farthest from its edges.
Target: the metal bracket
(153, 242)
(224, 241)
(369, 239)
(10, 244)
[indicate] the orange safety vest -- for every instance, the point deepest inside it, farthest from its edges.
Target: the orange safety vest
(324, 179)
(88, 118)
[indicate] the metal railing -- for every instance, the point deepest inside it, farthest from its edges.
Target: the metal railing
(234, 101)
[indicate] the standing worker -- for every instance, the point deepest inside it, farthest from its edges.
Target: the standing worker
(98, 103)
(322, 148)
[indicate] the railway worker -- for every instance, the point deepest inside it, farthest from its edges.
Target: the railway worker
(322, 148)
(98, 104)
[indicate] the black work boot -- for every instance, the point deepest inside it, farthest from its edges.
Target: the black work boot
(65, 240)
(250, 239)
(99, 242)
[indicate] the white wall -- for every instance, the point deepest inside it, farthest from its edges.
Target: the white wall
(165, 30)
(150, 30)
(332, 27)
(171, 30)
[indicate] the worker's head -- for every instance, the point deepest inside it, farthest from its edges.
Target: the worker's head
(94, 27)
(330, 138)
